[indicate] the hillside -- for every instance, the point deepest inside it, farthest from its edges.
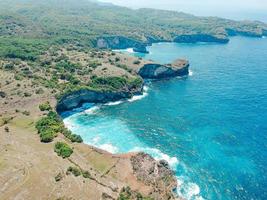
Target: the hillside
(32, 26)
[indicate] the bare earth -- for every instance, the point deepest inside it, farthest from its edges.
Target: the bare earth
(28, 167)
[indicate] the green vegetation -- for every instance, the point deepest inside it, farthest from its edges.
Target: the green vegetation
(62, 149)
(74, 170)
(45, 106)
(29, 28)
(127, 194)
(115, 83)
(77, 172)
(58, 177)
(49, 126)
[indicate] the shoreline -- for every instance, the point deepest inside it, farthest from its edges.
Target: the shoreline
(191, 188)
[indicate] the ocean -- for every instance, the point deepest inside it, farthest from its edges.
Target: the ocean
(211, 126)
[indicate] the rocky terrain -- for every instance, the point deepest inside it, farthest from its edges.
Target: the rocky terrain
(30, 165)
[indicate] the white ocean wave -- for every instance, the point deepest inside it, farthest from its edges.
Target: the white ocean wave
(139, 97)
(158, 155)
(129, 50)
(190, 73)
(109, 147)
(113, 103)
(92, 110)
(188, 190)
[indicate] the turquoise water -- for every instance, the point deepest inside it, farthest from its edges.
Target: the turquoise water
(211, 126)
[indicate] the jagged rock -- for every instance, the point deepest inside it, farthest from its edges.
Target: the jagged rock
(157, 174)
(77, 98)
(157, 71)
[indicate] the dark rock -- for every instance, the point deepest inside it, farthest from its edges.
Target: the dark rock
(164, 163)
(2, 94)
(158, 71)
(120, 42)
(233, 32)
(77, 98)
(201, 38)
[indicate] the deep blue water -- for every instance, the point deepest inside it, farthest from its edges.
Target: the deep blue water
(211, 126)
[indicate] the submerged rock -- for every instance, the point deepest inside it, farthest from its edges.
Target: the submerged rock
(179, 67)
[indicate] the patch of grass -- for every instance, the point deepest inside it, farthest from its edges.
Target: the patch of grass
(62, 149)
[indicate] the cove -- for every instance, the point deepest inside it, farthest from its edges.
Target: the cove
(210, 126)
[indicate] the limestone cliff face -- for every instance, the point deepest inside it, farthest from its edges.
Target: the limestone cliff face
(77, 98)
(193, 38)
(119, 42)
(158, 71)
(148, 71)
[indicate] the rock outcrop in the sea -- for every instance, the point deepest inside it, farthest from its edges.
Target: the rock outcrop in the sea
(119, 42)
(193, 38)
(155, 173)
(158, 71)
(77, 98)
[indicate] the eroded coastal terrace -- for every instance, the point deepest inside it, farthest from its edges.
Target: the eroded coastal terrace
(57, 58)
(89, 76)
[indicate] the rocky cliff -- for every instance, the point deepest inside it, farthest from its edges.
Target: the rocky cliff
(119, 42)
(157, 71)
(193, 38)
(148, 71)
(77, 98)
(155, 173)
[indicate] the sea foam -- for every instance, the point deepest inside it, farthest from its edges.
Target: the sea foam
(92, 110)
(158, 155)
(190, 73)
(109, 148)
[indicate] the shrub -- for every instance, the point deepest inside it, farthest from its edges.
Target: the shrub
(72, 137)
(2, 94)
(27, 94)
(39, 91)
(77, 172)
(62, 149)
(136, 62)
(47, 135)
(49, 126)
(58, 177)
(117, 59)
(27, 113)
(86, 174)
(6, 129)
(74, 170)
(45, 106)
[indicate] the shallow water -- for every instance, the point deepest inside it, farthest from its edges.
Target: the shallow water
(211, 126)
